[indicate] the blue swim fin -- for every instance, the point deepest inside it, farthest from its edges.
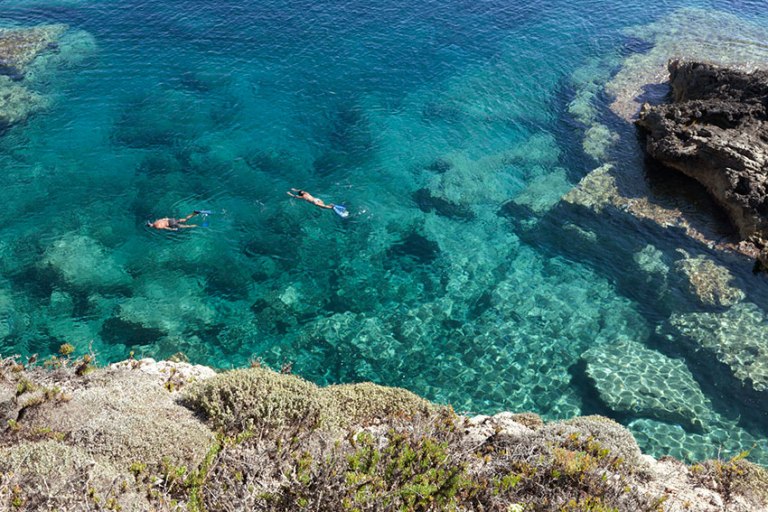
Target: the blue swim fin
(341, 211)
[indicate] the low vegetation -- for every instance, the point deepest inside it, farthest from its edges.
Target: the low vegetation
(274, 442)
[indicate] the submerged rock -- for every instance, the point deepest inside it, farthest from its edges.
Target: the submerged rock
(25, 63)
(702, 34)
(651, 261)
(710, 282)
(633, 380)
(544, 191)
(73, 48)
(17, 102)
(20, 46)
(171, 304)
(84, 263)
(737, 338)
(715, 132)
(596, 190)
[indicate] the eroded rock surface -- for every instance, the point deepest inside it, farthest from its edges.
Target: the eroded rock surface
(714, 131)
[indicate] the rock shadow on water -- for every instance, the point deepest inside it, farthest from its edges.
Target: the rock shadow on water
(439, 165)
(118, 331)
(160, 118)
(274, 163)
(631, 45)
(348, 140)
(159, 163)
(568, 132)
(427, 202)
(416, 248)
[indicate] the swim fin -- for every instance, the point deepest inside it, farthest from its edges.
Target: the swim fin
(341, 211)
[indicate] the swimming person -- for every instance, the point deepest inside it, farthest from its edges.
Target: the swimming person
(172, 224)
(302, 194)
(338, 209)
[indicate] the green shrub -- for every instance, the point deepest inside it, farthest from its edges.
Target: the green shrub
(257, 397)
(361, 403)
(734, 476)
(239, 400)
(66, 349)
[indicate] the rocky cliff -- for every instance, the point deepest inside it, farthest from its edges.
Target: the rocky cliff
(143, 435)
(714, 130)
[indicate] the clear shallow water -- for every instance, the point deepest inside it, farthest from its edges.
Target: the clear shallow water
(424, 119)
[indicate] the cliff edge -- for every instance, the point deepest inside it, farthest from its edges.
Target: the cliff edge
(146, 435)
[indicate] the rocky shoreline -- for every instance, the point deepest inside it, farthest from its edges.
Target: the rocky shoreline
(147, 435)
(713, 130)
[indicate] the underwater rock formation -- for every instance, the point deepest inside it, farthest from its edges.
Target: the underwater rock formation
(145, 435)
(710, 282)
(714, 131)
(737, 338)
(20, 46)
(150, 308)
(72, 49)
(84, 263)
(624, 181)
(17, 102)
(27, 56)
(633, 380)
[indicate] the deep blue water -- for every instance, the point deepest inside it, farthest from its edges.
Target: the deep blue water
(424, 118)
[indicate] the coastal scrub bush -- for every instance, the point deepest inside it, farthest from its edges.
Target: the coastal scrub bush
(361, 403)
(611, 435)
(734, 476)
(255, 398)
(406, 469)
(558, 467)
(258, 397)
(410, 456)
(49, 475)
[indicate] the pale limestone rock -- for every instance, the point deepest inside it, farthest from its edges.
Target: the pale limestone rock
(710, 282)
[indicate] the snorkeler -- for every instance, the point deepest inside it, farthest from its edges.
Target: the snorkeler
(172, 224)
(338, 209)
(302, 194)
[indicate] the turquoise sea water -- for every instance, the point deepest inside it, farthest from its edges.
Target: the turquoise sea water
(424, 118)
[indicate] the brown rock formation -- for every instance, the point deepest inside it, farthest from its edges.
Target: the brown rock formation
(714, 130)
